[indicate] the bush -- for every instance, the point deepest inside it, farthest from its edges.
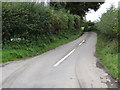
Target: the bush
(24, 20)
(28, 20)
(77, 21)
(108, 23)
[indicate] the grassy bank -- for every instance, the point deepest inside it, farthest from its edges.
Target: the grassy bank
(107, 50)
(22, 51)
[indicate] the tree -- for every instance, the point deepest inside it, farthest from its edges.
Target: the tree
(58, 5)
(79, 8)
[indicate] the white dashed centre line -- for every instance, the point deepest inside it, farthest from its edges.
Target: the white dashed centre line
(83, 41)
(80, 44)
(55, 65)
(64, 58)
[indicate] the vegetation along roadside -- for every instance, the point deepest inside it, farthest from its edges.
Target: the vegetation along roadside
(30, 29)
(107, 43)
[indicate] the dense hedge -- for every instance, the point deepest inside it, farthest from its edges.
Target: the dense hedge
(108, 24)
(27, 20)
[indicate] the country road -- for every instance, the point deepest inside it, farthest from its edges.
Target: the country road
(72, 65)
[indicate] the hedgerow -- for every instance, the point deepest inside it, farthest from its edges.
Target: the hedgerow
(27, 21)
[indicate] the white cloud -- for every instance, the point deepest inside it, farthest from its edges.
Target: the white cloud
(93, 16)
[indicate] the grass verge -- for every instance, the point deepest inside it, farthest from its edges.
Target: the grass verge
(24, 51)
(107, 50)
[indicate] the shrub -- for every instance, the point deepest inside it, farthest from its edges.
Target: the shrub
(28, 21)
(24, 20)
(77, 21)
(108, 23)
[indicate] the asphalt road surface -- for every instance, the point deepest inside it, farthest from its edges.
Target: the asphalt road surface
(72, 65)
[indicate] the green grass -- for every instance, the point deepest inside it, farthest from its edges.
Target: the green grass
(107, 50)
(25, 51)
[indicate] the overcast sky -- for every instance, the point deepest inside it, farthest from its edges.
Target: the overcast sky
(93, 16)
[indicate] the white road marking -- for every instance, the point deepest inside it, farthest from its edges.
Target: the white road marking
(80, 44)
(83, 41)
(64, 58)
(55, 65)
